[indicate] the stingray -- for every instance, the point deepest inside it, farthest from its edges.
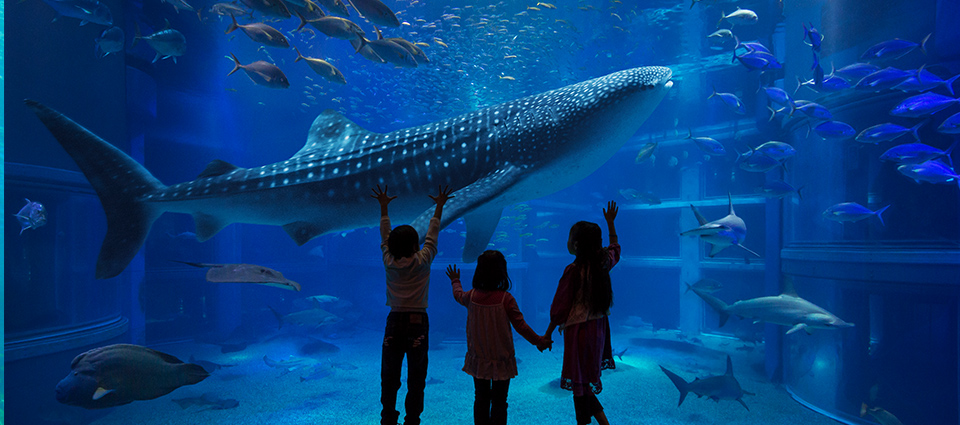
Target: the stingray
(245, 273)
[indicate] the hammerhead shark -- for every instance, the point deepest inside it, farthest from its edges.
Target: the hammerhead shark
(727, 231)
(786, 309)
(716, 388)
(494, 157)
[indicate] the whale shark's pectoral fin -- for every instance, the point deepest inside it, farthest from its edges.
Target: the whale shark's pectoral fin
(303, 231)
(207, 225)
(465, 201)
(797, 327)
(480, 227)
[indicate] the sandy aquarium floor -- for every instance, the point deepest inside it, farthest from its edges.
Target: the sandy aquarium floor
(637, 392)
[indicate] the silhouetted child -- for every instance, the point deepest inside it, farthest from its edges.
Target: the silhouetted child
(408, 282)
(580, 308)
(490, 358)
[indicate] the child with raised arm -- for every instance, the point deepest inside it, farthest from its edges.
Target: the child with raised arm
(408, 282)
(490, 358)
(580, 308)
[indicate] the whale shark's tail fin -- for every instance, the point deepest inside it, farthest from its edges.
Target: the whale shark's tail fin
(714, 302)
(681, 385)
(120, 182)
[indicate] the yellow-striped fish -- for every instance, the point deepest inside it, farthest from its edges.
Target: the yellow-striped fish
(507, 77)
(440, 43)
(509, 56)
(546, 5)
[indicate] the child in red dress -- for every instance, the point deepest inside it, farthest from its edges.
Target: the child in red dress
(580, 308)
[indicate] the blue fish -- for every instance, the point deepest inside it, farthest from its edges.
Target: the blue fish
(852, 211)
(485, 156)
(922, 105)
(778, 189)
(835, 130)
(856, 72)
(731, 100)
(925, 80)
(778, 96)
(110, 41)
(84, 10)
(886, 78)
(31, 216)
(814, 36)
(931, 171)
(168, 43)
(757, 162)
(951, 125)
(777, 150)
(757, 60)
(886, 132)
(829, 84)
(707, 145)
(751, 46)
(814, 110)
(894, 49)
(915, 153)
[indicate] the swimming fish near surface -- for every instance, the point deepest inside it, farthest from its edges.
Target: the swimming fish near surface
(245, 273)
(262, 73)
(168, 43)
(122, 373)
(481, 155)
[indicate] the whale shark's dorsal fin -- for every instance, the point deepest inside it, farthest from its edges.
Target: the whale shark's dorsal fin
(786, 286)
(729, 366)
(332, 132)
(217, 168)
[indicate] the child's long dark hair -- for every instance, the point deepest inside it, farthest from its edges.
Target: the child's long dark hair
(491, 274)
(593, 284)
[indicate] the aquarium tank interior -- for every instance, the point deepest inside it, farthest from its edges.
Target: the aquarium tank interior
(193, 231)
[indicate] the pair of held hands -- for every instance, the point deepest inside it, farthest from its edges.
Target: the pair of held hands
(543, 343)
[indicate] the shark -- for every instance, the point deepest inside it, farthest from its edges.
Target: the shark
(716, 388)
(493, 157)
(727, 231)
(786, 309)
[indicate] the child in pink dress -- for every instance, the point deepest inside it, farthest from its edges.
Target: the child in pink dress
(580, 308)
(490, 355)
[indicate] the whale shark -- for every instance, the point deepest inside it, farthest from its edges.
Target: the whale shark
(786, 309)
(727, 231)
(493, 157)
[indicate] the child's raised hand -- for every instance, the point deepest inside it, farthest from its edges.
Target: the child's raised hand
(443, 196)
(453, 273)
(381, 195)
(610, 212)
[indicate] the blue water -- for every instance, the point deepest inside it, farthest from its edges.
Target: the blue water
(895, 280)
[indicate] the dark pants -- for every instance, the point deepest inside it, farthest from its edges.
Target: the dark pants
(490, 404)
(586, 406)
(405, 334)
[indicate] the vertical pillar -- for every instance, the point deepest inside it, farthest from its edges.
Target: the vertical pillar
(691, 308)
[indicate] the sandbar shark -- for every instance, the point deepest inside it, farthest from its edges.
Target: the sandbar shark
(786, 309)
(716, 388)
(493, 157)
(727, 231)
